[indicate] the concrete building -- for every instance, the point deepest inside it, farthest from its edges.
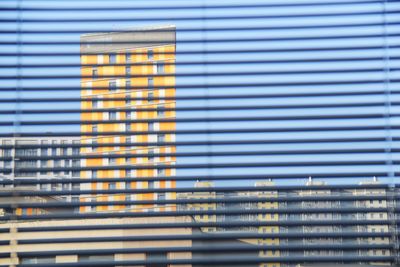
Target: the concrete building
(19, 157)
(302, 221)
(138, 63)
(24, 205)
(99, 240)
(269, 206)
(53, 245)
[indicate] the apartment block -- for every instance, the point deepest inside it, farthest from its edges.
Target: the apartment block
(326, 216)
(128, 88)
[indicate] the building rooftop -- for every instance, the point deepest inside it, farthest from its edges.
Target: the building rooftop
(130, 38)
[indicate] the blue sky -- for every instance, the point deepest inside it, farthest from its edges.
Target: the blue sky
(172, 16)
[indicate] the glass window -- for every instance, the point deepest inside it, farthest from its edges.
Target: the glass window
(94, 174)
(128, 185)
(112, 115)
(95, 72)
(151, 184)
(128, 57)
(160, 67)
(95, 103)
(54, 149)
(128, 71)
(36, 260)
(112, 185)
(150, 54)
(161, 138)
(87, 258)
(112, 161)
(112, 85)
(150, 82)
(150, 156)
(94, 128)
(150, 126)
(160, 111)
(76, 163)
(94, 145)
(128, 85)
(128, 127)
(43, 152)
(150, 96)
(75, 151)
(112, 58)
(161, 172)
(7, 152)
(7, 164)
(128, 100)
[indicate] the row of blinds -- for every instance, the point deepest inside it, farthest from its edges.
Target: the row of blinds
(199, 133)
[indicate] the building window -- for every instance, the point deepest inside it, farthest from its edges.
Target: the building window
(64, 150)
(75, 173)
(151, 185)
(128, 127)
(75, 151)
(112, 161)
(150, 54)
(128, 71)
(128, 185)
(150, 126)
(112, 58)
(128, 140)
(160, 172)
(150, 82)
(57, 163)
(161, 196)
(150, 97)
(112, 185)
(95, 103)
(7, 152)
(112, 115)
(94, 258)
(160, 138)
(7, 164)
(128, 57)
(43, 152)
(160, 67)
(54, 149)
(94, 145)
(95, 72)
(128, 100)
(112, 85)
(128, 173)
(36, 260)
(150, 156)
(94, 128)
(128, 85)
(76, 163)
(160, 111)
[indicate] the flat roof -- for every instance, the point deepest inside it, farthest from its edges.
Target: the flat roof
(130, 38)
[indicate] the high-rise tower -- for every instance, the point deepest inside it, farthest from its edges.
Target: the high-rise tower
(137, 64)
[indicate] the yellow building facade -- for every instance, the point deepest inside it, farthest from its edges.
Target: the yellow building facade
(136, 68)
